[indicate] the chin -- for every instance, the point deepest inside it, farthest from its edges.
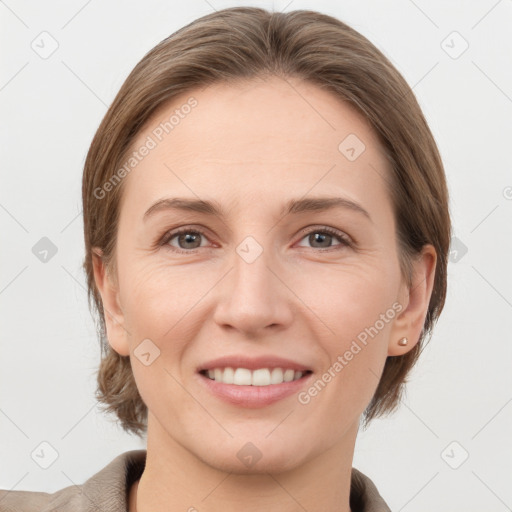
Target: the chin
(241, 456)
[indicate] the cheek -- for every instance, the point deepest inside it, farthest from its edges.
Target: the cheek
(156, 295)
(161, 304)
(353, 318)
(349, 298)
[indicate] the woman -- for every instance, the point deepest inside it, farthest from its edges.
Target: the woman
(267, 227)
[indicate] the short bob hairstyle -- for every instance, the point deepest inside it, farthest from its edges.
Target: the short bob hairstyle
(241, 43)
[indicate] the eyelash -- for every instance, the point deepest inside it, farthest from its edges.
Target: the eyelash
(344, 239)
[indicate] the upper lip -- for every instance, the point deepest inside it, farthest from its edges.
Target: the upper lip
(253, 363)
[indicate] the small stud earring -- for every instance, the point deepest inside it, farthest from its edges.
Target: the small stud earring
(403, 342)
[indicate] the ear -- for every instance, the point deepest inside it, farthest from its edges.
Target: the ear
(117, 334)
(415, 300)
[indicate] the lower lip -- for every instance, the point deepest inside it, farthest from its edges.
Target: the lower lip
(253, 396)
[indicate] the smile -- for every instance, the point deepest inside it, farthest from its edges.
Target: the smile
(257, 377)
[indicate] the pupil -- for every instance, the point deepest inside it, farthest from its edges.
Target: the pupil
(189, 238)
(320, 237)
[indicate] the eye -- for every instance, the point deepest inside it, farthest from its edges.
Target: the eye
(321, 237)
(188, 239)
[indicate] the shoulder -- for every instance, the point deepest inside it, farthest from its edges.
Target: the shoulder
(105, 490)
(32, 501)
(364, 495)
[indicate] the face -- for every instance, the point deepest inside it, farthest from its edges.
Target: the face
(276, 277)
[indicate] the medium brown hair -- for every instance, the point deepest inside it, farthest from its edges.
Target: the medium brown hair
(243, 43)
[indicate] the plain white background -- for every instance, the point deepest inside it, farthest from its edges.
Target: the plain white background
(459, 400)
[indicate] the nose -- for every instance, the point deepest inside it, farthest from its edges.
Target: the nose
(254, 296)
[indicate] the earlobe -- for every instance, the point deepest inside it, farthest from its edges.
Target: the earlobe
(114, 317)
(409, 323)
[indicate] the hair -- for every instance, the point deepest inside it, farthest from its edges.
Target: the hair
(248, 43)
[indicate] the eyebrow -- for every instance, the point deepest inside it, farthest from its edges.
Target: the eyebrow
(294, 206)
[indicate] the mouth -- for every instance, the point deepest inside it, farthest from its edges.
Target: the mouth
(253, 382)
(257, 377)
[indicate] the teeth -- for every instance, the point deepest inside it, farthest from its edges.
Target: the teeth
(242, 377)
(259, 377)
(288, 375)
(277, 376)
(228, 377)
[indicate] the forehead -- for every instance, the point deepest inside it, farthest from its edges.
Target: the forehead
(251, 136)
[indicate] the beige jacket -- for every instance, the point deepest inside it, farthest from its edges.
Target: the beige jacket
(107, 491)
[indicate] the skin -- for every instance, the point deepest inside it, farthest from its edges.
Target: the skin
(251, 147)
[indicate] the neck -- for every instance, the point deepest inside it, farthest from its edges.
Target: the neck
(176, 479)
